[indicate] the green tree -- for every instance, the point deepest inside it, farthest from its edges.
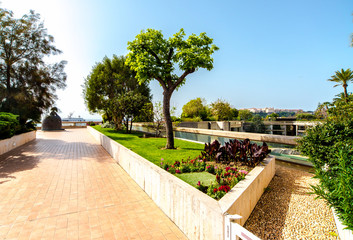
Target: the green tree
(222, 110)
(154, 57)
(245, 115)
(130, 106)
(305, 116)
(321, 111)
(111, 89)
(27, 82)
(329, 148)
(235, 113)
(342, 78)
(257, 125)
(272, 117)
(195, 108)
(146, 113)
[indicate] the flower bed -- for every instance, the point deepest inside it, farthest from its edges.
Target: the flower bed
(242, 154)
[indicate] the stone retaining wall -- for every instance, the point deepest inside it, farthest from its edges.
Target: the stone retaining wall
(195, 213)
(9, 144)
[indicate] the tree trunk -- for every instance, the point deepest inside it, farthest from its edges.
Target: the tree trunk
(8, 78)
(131, 125)
(127, 124)
(168, 120)
(345, 92)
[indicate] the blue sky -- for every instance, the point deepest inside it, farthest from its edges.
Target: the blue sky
(272, 53)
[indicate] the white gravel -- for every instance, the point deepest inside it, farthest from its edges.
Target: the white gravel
(287, 211)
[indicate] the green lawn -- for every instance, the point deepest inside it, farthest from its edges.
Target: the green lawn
(152, 148)
(192, 178)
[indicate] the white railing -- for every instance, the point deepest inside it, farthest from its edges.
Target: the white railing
(234, 231)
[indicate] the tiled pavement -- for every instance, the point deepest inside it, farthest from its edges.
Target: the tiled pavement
(65, 186)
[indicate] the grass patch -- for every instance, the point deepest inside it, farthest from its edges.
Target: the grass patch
(152, 148)
(192, 178)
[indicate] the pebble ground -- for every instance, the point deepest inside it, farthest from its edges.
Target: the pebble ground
(287, 211)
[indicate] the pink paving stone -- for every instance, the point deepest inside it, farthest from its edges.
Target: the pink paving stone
(63, 185)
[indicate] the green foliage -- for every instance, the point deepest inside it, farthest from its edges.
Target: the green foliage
(257, 125)
(329, 148)
(158, 116)
(145, 113)
(272, 117)
(153, 148)
(195, 108)
(91, 124)
(244, 152)
(195, 177)
(305, 116)
(235, 113)
(321, 111)
(245, 115)
(9, 125)
(226, 179)
(342, 77)
(154, 57)
(112, 90)
(222, 110)
(27, 82)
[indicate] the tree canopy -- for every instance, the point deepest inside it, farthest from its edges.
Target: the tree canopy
(27, 82)
(342, 78)
(245, 115)
(222, 110)
(154, 57)
(195, 108)
(112, 90)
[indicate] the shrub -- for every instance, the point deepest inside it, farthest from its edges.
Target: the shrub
(305, 116)
(245, 152)
(108, 125)
(329, 148)
(9, 125)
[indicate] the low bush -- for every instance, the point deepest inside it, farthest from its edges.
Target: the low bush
(91, 124)
(244, 152)
(108, 125)
(9, 125)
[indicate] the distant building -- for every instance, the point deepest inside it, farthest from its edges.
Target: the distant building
(271, 110)
(73, 119)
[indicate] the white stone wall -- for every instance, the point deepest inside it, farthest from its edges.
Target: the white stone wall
(196, 214)
(9, 144)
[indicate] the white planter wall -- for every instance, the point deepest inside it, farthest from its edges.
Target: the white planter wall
(9, 144)
(195, 213)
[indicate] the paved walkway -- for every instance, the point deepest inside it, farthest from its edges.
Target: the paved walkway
(65, 186)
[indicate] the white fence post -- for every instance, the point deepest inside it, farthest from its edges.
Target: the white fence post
(234, 231)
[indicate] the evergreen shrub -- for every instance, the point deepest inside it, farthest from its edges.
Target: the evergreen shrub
(329, 147)
(9, 125)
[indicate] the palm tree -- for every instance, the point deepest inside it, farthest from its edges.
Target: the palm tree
(342, 78)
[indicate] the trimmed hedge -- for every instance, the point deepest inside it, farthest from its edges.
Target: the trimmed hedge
(9, 125)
